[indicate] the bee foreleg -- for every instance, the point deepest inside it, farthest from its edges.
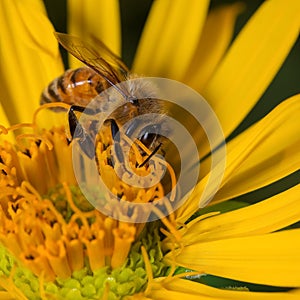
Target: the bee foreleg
(73, 121)
(114, 130)
(150, 155)
(116, 137)
(77, 131)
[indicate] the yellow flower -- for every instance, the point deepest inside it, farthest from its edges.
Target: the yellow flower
(56, 245)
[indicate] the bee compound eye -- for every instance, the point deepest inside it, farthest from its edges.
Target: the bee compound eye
(148, 138)
(149, 134)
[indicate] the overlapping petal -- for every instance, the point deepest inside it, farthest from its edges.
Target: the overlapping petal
(271, 259)
(252, 61)
(3, 118)
(267, 216)
(215, 38)
(98, 19)
(181, 289)
(262, 173)
(239, 245)
(166, 46)
(261, 144)
(29, 57)
(272, 145)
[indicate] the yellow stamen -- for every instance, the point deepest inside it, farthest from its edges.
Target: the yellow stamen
(105, 294)
(57, 258)
(34, 138)
(109, 225)
(75, 254)
(37, 262)
(174, 232)
(169, 208)
(3, 130)
(148, 270)
(138, 156)
(26, 186)
(41, 286)
(7, 191)
(95, 249)
(11, 241)
(47, 106)
(77, 211)
(19, 126)
(123, 238)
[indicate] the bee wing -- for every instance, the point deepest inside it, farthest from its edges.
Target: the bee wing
(102, 60)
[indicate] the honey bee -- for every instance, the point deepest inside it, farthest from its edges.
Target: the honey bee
(80, 86)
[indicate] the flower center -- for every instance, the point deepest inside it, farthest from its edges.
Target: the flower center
(129, 279)
(60, 236)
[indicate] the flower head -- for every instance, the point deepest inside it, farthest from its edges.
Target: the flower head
(56, 244)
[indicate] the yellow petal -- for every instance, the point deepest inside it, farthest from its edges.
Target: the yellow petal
(266, 216)
(252, 61)
(271, 259)
(249, 178)
(215, 38)
(4, 122)
(29, 57)
(98, 19)
(274, 152)
(270, 136)
(3, 119)
(184, 289)
(170, 38)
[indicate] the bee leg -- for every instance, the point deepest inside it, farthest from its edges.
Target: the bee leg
(73, 121)
(86, 110)
(85, 141)
(116, 137)
(150, 155)
(114, 130)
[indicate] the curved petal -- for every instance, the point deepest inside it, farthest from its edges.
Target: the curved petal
(252, 61)
(215, 38)
(266, 216)
(3, 118)
(98, 19)
(29, 57)
(249, 178)
(270, 136)
(270, 259)
(4, 122)
(173, 289)
(274, 153)
(170, 38)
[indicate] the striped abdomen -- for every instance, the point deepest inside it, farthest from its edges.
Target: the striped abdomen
(77, 87)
